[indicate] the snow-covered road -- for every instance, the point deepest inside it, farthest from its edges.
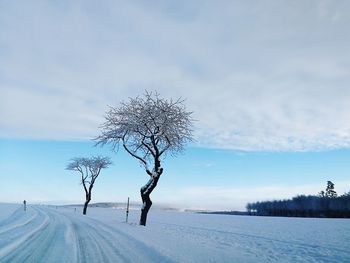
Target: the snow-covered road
(43, 234)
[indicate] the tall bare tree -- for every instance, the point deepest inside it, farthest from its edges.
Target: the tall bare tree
(89, 169)
(330, 192)
(148, 127)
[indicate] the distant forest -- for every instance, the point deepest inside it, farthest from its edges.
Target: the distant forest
(325, 204)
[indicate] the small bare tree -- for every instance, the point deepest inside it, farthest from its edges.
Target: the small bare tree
(89, 169)
(148, 127)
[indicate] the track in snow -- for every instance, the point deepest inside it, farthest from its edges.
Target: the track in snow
(43, 234)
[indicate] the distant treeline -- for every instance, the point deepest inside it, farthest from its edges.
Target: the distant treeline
(326, 204)
(304, 206)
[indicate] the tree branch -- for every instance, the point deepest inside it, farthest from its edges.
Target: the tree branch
(139, 158)
(148, 148)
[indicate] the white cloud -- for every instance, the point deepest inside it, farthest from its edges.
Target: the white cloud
(270, 76)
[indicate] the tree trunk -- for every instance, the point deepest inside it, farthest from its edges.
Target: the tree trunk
(86, 205)
(146, 190)
(146, 205)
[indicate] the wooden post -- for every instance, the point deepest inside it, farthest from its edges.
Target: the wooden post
(127, 211)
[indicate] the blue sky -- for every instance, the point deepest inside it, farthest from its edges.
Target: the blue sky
(198, 178)
(268, 83)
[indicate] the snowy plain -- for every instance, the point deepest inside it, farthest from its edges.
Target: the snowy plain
(63, 234)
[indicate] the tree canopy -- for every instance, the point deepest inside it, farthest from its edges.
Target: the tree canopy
(147, 127)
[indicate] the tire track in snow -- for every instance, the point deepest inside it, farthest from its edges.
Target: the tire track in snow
(17, 219)
(98, 242)
(130, 244)
(41, 244)
(93, 247)
(50, 235)
(17, 234)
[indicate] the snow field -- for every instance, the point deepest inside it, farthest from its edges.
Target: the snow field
(47, 234)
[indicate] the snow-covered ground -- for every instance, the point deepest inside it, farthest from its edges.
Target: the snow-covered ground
(47, 234)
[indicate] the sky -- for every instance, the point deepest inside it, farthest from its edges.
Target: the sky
(267, 82)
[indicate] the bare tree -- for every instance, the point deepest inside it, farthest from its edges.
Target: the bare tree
(89, 169)
(148, 128)
(330, 192)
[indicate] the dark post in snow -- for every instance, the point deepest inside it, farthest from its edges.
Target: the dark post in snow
(148, 128)
(127, 211)
(25, 205)
(89, 169)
